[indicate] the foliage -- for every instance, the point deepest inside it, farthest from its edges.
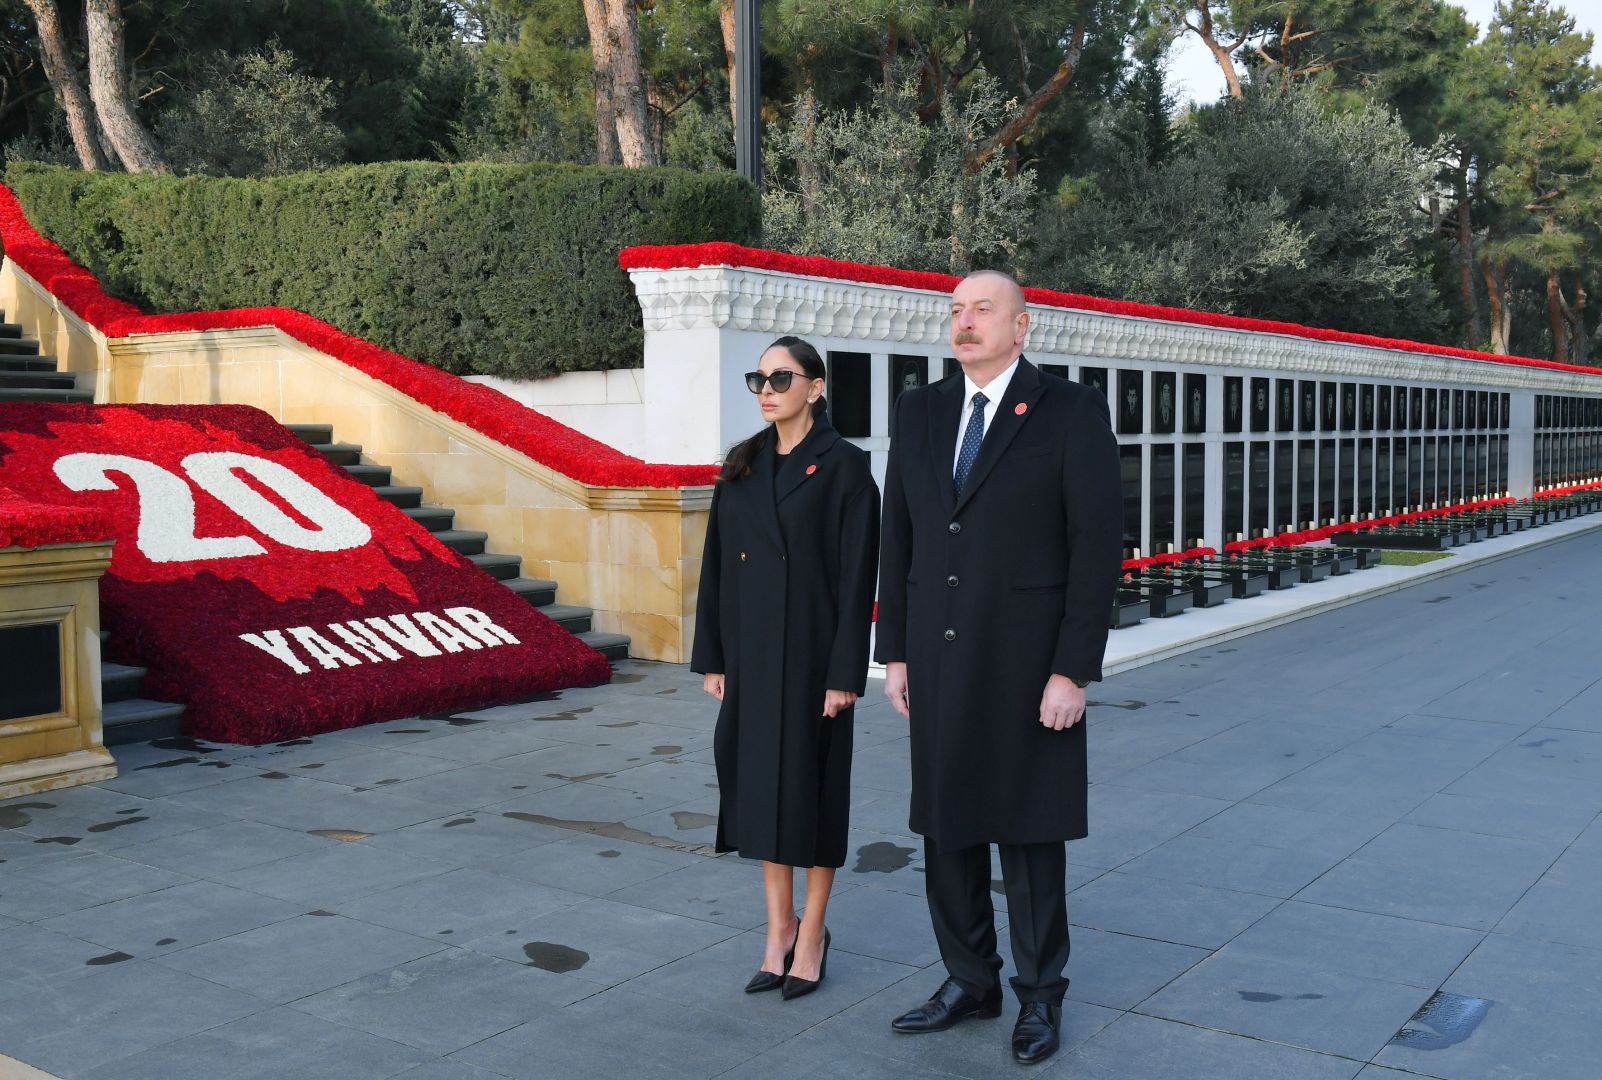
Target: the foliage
(1289, 211)
(506, 270)
(258, 116)
(878, 185)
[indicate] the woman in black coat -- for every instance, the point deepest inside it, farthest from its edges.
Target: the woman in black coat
(782, 619)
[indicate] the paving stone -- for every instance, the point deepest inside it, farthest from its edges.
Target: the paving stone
(1119, 971)
(448, 1070)
(465, 903)
(272, 1044)
(1154, 1049)
(1229, 864)
(375, 767)
(584, 802)
(172, 919)
(233, 845)
(336, 873)
(467, 838)
(593, 865)
(291, 959)
(1502, 817)
(1357, 943)
(1125, 822)
(1562, 905)
(717, 890)
(1169, 911)
(888, 925)
(41, 889)
(471, 787)
(31, 954)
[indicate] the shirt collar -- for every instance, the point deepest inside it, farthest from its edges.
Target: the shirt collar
(994, 390)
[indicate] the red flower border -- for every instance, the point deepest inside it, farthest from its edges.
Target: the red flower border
(686, 256)
(28, 524)
(547, 441)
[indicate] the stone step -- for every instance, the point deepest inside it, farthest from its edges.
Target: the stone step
(462, 541)
(119, 682)
(340, 453)
(407, 498)
(24, 362)
(19, 347)
(436, 519)
(499, 567)
(611, 646)
(374, 476)
(536, 591)
(570, 617)
(85, 397)
(38, 379)
(315, 434)
(138, 720)
(10, 330)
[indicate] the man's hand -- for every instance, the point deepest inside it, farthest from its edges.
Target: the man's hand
(1062, 705)
(836, 702)
(895, 687)
(713, 684)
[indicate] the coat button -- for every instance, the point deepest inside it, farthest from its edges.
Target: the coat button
(951, 635)
(954, 528)
(952, 581)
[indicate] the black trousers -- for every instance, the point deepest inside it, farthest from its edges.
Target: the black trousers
(1035, 879)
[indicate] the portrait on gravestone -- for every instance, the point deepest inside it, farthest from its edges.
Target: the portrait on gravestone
(1366, 414)
(1415, 408)
(1382, 408)
(1457, 409)
(1195, 404)
(1348, 407)
(1162, 413)
(1259, 404)
(1232, 403)
(1096, 379)
(1431, 409)
(1129, 394)
(1059, 370)
(1309, 414)
(906, 373)
(1286, 420)
(1327, 399)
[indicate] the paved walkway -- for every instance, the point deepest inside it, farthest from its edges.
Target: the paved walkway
(1300, 840)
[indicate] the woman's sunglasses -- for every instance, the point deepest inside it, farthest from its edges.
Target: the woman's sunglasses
(780, 380)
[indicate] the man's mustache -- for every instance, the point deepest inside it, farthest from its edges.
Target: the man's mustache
(965, 339)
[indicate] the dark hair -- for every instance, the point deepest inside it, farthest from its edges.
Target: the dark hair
(737, 466)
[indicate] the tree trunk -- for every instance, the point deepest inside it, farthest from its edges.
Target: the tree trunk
(1013, 129)
(628, 85)
(108, 86)
(1554, 314)
(1495, 275)
(1579, 340)
(606, 149)
(726, 21)
(1222, 53)
(1465, 256)
(70, 94)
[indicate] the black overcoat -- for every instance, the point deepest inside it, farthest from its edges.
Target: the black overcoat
(783, 611)
(986, 596)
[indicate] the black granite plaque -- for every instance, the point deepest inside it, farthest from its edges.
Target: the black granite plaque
(1129, 398)
(1309, 413)
(1365, 412)
(32, 658)
(1234, 488)
(1415, 409)
(1096, 379)
(1348, 406)
(1193, 484)
(1261, 408)
(1365, 477)
(1234, 403)
(1161, 513)
(1129, 470)
(1306, 478)
(1059, 370)
(906, 373)
(850, 394)
(1328, 407)
(1285, 412)
(1257, 485)
(1195, 404)
(1164, 392)
(1284, 509)
(1432, 414)
(1382, 408)
(1327, 500)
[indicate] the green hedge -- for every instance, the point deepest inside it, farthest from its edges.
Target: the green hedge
(506, 270)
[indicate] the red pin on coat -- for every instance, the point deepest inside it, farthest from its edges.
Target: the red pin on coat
(811, 469)
(1020, 408)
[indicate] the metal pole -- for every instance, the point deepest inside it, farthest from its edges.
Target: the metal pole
(748, 89)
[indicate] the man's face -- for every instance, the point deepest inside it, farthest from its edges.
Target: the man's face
(987, 326)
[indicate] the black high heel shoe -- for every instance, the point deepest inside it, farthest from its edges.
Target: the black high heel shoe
(765, 980)
(794, 987)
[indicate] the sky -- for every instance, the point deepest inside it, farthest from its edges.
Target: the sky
(1195, 77)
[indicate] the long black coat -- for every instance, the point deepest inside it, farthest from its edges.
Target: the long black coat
(783, 612)
(985, 597)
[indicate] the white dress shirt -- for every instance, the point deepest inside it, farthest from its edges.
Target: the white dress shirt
(994, 391)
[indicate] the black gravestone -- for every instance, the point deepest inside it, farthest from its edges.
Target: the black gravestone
(1163, 405)
(1233, 391)
(1195, 404)
(1129, 395)
(1260, 404)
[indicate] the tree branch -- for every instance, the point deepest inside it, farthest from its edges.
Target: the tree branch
(1013, 129)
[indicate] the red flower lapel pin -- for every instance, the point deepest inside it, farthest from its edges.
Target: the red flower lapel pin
(1020, 408)
(811, 469)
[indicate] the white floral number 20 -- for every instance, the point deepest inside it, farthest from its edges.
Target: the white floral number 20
(167, 508)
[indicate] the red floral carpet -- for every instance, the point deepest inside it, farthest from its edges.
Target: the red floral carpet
(268, 591)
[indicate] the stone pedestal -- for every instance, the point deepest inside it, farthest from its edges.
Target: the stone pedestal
(51, 594)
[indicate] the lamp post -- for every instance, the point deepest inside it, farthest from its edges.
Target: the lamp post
(748, 89)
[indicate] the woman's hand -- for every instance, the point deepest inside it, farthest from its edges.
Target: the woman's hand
(837, 701)
(713, 684)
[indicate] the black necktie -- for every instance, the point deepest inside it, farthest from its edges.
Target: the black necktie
(971, 438)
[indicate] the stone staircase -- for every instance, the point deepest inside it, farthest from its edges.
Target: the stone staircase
(25, 375)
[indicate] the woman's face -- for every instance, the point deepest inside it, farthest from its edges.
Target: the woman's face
(793, 402)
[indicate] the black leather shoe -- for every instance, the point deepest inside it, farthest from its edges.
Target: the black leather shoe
(1034, 1037)
(794, 987)
(949, 1004)
(765, 980)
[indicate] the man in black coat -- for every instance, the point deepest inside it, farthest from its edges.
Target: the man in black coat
(1001, 554)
